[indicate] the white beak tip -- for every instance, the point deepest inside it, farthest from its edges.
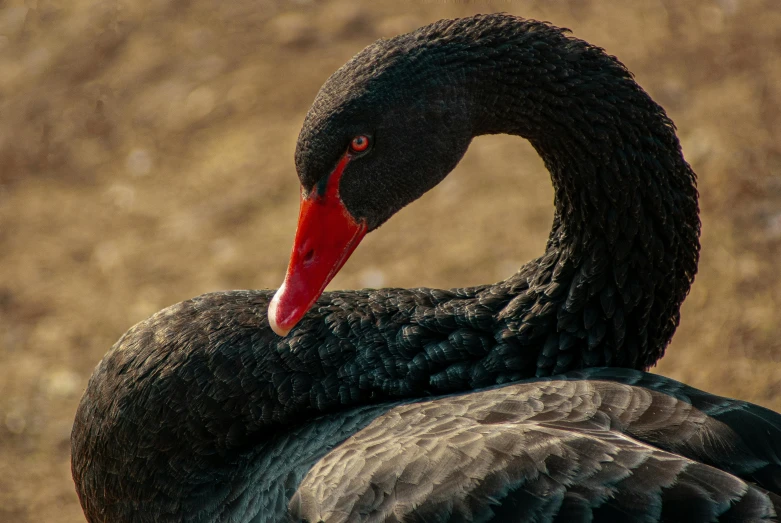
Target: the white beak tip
(272, 317)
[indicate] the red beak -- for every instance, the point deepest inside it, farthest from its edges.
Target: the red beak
(325, 237)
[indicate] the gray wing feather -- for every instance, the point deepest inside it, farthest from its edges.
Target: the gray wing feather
(553, 450)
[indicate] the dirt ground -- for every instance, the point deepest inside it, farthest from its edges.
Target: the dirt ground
(146, 156)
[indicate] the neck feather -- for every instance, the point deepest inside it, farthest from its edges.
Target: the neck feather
(624, 246)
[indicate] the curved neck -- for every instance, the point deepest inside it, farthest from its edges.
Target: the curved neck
(624, 246)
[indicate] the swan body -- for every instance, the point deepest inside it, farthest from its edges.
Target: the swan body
(524, 400)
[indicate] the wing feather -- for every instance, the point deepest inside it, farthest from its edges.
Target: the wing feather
(591, 446)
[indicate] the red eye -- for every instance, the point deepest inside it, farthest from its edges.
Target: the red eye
(359, 144)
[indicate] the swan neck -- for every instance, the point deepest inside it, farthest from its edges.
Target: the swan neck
(624, 245)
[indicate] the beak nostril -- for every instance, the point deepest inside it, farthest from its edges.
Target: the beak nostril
(309, 256)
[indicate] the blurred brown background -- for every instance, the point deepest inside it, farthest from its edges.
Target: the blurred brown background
(146, 157)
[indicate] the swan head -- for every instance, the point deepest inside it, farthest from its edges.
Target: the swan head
(385, 128)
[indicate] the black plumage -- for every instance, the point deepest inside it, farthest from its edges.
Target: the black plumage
(202, 413)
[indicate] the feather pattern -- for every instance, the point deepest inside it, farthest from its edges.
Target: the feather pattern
(587, 446)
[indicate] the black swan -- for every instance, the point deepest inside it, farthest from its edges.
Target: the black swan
(368, 409)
